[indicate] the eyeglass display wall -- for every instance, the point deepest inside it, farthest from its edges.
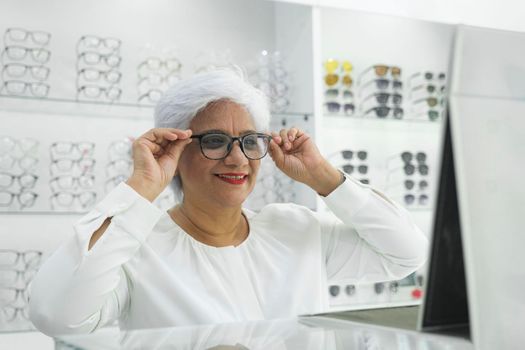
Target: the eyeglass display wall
(399, 69)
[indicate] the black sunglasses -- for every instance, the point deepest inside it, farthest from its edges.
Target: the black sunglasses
(217, 146)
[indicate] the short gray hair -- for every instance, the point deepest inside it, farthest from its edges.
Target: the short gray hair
(184, 100)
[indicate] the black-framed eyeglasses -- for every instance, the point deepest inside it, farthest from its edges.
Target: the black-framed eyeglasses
(217, 146)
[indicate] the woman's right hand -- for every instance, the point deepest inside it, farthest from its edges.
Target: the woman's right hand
(155, 158)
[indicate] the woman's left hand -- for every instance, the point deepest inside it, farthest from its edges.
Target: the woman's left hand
(296, 155)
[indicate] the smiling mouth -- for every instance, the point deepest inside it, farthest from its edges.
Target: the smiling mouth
(235, 179)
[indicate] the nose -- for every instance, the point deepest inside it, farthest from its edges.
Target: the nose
(236, 156)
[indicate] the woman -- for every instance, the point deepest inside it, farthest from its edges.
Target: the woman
(207, 259)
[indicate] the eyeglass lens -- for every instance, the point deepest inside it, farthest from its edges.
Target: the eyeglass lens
(217, 146)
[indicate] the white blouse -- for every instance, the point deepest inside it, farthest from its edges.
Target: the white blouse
(147, 272)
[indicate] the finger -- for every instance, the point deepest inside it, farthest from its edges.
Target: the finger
(147, 144)
(299, 141)
(276, 137)
(285, 142)
(293, 134)
(161, 135)
(276, 153)
(173, 152)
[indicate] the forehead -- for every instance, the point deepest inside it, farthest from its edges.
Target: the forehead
(223, 115)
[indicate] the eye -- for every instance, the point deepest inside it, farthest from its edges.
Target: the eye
(214, 141)
(251, 142)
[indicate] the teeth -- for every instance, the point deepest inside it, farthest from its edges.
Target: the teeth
(232, 177)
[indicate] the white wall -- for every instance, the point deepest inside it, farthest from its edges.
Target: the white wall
(499, 14)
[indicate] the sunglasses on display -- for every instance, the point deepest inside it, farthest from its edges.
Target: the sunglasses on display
(349, 169)
(410, 184)
(410, 169)
(430, 101)
(19, 87)
(19, 70)
(18, 53)
(21, 35)
(217, 146)
(407, 157)
(430, 88)
(432, 115)
(348, 154)
(335, 107)
(427, 76)
(381, 70)
(410, 199)
(334, 93)
(384, 111)
(384, 97)
(332, 79)
(383, 84)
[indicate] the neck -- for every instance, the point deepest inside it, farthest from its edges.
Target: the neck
(211, 225)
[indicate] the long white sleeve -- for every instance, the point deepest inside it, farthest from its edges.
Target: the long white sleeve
(76, 290)
(147, 272)
(373, 240)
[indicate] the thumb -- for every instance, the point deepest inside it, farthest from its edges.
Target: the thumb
(173, 151)
(276, 153)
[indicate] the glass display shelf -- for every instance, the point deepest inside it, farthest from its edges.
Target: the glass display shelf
(66, 106)
(408, 119)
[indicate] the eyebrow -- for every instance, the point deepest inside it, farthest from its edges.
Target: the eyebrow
(219, 131)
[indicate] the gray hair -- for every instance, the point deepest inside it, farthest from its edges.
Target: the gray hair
(184, 100)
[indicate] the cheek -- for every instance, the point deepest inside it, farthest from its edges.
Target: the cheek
(189, 162)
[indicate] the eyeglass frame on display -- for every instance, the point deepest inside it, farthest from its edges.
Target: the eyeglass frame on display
(7, 48)
(381, 70)
(20, 254)
(26, 84)
(55, 182)
(27, 33)
(19, 160)
(74, 196)
(14, 195)
(397, 112)
(5, 70)
(104, 40)
(85, 169)
(18, 177)
(382, 84)
(102, 90)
